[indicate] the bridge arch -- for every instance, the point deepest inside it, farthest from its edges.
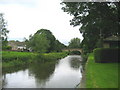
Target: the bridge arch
(80, 50)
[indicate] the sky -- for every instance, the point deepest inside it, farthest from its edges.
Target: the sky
(25, 17)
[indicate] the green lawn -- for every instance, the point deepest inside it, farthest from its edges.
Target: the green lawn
(101, 75)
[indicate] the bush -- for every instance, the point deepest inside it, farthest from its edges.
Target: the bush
(105, 55)
(6, 47)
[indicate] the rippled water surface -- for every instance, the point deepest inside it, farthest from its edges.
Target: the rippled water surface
(63, 74)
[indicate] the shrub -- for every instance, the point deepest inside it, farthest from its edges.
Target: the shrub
(104, 55)
(6, 47)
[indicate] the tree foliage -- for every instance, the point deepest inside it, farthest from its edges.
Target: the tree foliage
(74, 43)
(49, 37)
(96, 20)
(39, 43)
(3, 31)
(44, 41)
(59, 46)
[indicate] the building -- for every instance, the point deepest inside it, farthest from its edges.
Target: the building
(111, 42)
(17, 46)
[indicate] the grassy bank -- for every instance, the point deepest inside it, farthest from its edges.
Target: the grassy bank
(101, 75)
(10, 58)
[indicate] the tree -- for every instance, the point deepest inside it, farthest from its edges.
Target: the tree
(74, 43)
(3, 31)
(38, 42)
(54, 45)
(44, 41)
(49, 37)
(96, 20)
(59, 46)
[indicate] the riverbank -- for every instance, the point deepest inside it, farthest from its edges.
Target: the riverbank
(101, 75)
(82, 83)
(12, 58)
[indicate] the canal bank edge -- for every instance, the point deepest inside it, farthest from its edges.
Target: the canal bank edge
(82, 83)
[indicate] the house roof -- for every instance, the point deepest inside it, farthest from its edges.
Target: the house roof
(14, 43)
(112, 38)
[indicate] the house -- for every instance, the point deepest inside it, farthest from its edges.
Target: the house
(111, 42)
(17, 46)
(21, 48)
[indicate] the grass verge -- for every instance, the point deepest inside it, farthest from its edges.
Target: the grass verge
(101, 75)
(10, 58)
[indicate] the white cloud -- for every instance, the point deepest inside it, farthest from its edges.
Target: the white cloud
(23, 20)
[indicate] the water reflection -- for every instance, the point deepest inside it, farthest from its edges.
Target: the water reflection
(75, 61)
(63, 74)
(10, 70)
(41, 72)
(14, 69)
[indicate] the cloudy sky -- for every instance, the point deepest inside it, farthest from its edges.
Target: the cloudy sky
(25, 17)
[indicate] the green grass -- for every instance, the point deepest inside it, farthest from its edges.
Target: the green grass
(53, 56)
(101, 75)
(11, 58)
(11, 55)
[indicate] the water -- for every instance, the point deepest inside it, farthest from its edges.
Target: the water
(63, 74)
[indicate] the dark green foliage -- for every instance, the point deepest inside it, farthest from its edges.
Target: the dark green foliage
(49, 36)
(96, 20)
(106, 55)
(4, 43)
(84, 59)
(6, 47)
(39, 42)
(75, 53)
(58, 46)
(99, 43)
(54, 45)
(86, 49)
(44, 41)
(74, 43)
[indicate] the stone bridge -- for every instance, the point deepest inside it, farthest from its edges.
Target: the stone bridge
(80, 50)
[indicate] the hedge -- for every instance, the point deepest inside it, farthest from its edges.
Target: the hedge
(106, 55)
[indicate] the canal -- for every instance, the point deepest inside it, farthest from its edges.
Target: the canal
(64, 73)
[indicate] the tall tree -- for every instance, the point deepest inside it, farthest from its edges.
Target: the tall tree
(3, 31)
(74, 43)
(44, 41)
(49, 37)
(96, 20)
(38, 42)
